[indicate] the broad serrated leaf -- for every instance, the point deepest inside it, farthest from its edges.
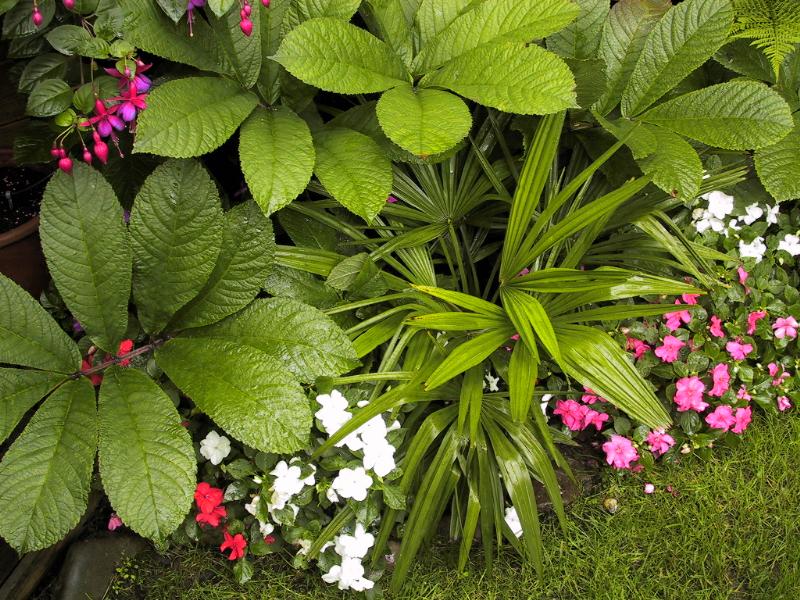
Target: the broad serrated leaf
(146, 457)
(49, 97)
(47, 472)
(277, 156)
(29, 336)
(740, 57)
(359, 276)
(354, 170)
(250, 394)
(68, 39)
(305, 340)
(44, 66)
(590, 79)
(244, 262)
(269, 78)
(390, 25)
(581, 38)
(423, 121)
(191, 116)
(20, 389)
(511, 77)
(622, 41)
(301, 11)
(673, 165)
(685, 37)
(778, 166)
(339, 57)
(493, 22)
(299, 285)
(149, 29)
(306, 231)
(433, 17)
(86, 246)
(220, 7)
(737, 115)
(243, 51)
(176, 234)
(174, 9)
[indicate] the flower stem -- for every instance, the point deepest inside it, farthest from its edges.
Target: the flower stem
(118, 359)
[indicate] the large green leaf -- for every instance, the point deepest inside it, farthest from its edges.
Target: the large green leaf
(48, 98)
(531, 321)
(44, 66)
(354, 170)
(737, 115)
(778, 166)
(220, 7)
(511, 77)
(468, 354)
(674, 165)
(424, 121)
(581, 38)
(244, 263)
(147, 461)
(277, 156)
(47, 472)
(339, 57)
(85, 241)
(242, 51)
(593, 358)
(174, 9)
(271, 20)
(680, 42)
(304, 10)
(622, 41)
(248, 393)
(305, 341)
(492, 22)
(176, 233)
(433, 16)
(20, 389)
(29, 337)
(191, 116)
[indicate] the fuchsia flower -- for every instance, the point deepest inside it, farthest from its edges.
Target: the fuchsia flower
(659, 442)
(132, 102)
(620, 452)
(753, 318)
(721, 418)
(743, 417)
(235, 543)
(668, 352)
(784, 403)
(391, 200)
(721, 378)
(638, 346)
(737, 350)
(774, 369)
(785, 327)
(142, 82)
(105, 120)
(716, 327)
(689, 394)
(114, 522)
(674, 319)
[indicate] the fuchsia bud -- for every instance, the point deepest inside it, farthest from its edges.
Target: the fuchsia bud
(96, 136)
(101, 151)
(247, 27)
(37, 16)
(65, 164)
(87, 156)
(69, 4)
(265, 3)
(246, 10)
(55, 152)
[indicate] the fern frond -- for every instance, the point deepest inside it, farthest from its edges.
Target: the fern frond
(772, 25)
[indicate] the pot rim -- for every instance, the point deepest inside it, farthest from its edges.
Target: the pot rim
(19, 232)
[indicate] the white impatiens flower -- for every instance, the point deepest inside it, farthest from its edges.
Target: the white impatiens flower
(288, 482)
(791, 244)
(491, 383)
(772, 214)
(733, 225)
(265, 528)
(356, 545)
(373, 431)
(352, 483)
(754, 213)
(544, 403)
(349, 576)
(333, 413)
(379, 457)
(252, 506)
(720, 204)
(754, 249)
(331, 495)
(513, 522)
(215, 447)
(709, 222)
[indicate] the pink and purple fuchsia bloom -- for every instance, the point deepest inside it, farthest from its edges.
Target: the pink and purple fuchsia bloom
(141, 81)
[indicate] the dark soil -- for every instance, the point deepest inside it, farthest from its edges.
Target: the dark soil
(21, 190)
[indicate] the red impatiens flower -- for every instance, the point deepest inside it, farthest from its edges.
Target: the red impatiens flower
(96, 378)
(125, 346)
(212, 518)
(235, 543)
(208, 498)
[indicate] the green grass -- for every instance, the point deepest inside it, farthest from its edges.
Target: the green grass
(732, 531)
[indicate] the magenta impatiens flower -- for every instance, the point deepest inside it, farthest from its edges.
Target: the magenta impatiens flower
(784, 403)
(737, 350)
(690, 298)
(743, 417)
(752, 320)
(785, 327)
(716, 327)
(675, 319)
(689, 394)
(638, 346)
(775, 369)
(743, 275)
(742, 394)
(659, 442)
(721, 378)
(721, 418)
(620, 452)
(590, 396)
(572, 414)
(668, 352)
(595, 418)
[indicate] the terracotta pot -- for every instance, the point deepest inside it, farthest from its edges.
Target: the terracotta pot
(21, 257)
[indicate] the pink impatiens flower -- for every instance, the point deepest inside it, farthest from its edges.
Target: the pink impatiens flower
(620, 452)
(721, 418)
(675, 319)
(737, 350)
(114, 522)
(689, 394)
(595, 418)
(774, 369)
(659, 442)
(638, 346)
(690, 298)
(742, 394)
(785, 327)
(743, 417)
(572, 414)
(753, 318)
(668, 352)
(784, 403)
(590, 397)
(743, 275)
(721, 379)
(716, 327)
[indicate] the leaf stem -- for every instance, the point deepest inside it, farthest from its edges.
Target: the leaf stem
(118, 359)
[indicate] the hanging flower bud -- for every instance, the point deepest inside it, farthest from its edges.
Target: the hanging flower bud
(55, 152)
(87, 156)
(247, 27)
(65, 164)
(101, 151)
(265, 3)
(37, 17)
(246, 9)
(69, 4)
